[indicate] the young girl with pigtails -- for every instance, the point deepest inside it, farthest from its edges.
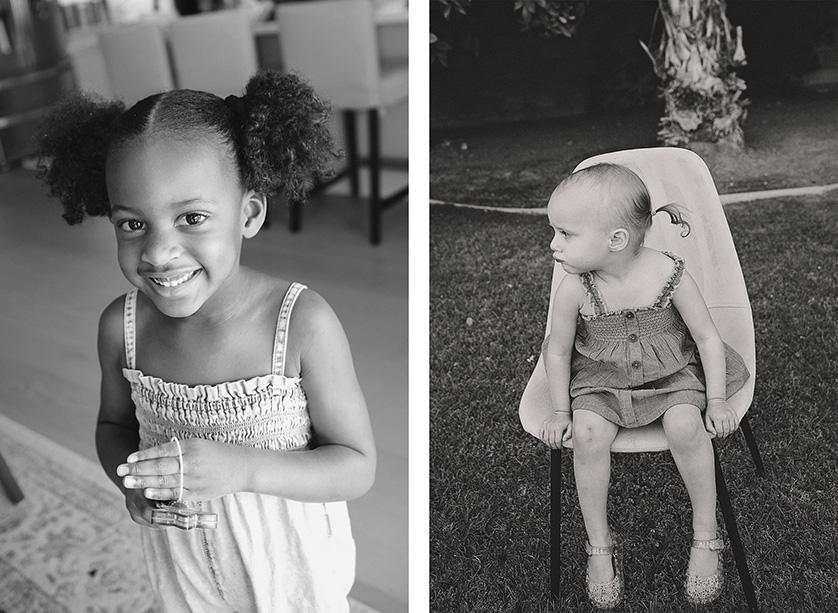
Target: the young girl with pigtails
(226, 390)
(632, 341)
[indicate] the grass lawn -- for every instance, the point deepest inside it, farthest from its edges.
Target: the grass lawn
(490, 278)
(789, 143)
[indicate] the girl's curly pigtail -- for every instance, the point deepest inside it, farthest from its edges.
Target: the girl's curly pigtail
(72, 147)
(284, 137)
(676, 216)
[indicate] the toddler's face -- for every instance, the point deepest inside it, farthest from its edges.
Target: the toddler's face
(177, 209)
(581, 240)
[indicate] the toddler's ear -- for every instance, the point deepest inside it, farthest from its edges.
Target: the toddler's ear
(619, 239)
(253, 214)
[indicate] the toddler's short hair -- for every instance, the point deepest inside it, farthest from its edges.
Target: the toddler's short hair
(632, 204)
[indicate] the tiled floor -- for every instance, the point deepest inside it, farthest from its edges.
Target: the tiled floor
(56, 279)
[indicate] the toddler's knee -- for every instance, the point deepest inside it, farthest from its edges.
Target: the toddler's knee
(685, 430)
(591, 439)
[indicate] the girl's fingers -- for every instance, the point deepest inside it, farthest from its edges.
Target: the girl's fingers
(151, 481)
(165, 450)
(156, 493)
(155, 466)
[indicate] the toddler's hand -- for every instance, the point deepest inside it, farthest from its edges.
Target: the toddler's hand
(720, 419)
(556, 429)
(210, 470)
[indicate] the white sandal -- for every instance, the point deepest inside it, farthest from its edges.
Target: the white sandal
(704, 590)
(607, 594)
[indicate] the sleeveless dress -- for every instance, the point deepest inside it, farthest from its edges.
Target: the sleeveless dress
(631, 366)
(268, 554)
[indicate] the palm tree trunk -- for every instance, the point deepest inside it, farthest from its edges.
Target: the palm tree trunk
(695, 61)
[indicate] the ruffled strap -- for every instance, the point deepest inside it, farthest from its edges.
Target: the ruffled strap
(665, 296)
(129, 327)
(592, 291)
(281, 336)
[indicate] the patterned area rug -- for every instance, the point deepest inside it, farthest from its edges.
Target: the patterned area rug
(69, 546)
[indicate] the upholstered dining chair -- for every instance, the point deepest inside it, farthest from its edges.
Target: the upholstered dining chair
(680, 176)
(215, 51)
(333, 45)
(136, 61)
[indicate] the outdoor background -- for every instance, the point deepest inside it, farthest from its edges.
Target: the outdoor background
(506, 125)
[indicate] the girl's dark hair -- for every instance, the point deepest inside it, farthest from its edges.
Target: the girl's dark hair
(631, 197)
(276, 134)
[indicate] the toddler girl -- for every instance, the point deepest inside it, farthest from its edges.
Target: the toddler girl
(632, 341)
(221, 386)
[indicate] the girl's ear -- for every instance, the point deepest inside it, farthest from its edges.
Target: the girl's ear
(619, 239)
(254, 212)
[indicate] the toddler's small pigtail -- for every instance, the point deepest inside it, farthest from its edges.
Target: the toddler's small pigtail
(72, 147)
(676, 216)
(284, 139)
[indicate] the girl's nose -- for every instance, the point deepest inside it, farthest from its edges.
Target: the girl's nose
(160, 248)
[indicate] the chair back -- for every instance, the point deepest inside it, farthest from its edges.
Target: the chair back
(680, 176)
(333, 45)
(136, 61)
(214, 52)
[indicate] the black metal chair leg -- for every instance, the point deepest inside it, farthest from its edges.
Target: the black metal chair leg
(555, 521)
(7, 479)
(733, 534)
(375, 176)
(752, 444)
(350, 129)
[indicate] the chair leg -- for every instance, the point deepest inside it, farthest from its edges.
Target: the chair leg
(8, 482)
(555, 521)
(350, 129)
(752, 444)
(375, 176)
(733, 534)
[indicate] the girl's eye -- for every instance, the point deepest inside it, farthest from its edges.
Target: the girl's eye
(194, 219)
(130, 225)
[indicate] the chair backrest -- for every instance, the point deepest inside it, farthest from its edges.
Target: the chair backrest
(214, 52)
(136, 61)
(679, 176)
(333, 45)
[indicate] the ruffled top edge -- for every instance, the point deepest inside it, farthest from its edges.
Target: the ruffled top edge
(228, 389)
(663, 300)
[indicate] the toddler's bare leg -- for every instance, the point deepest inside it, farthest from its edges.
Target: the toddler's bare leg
(692, 451)
(592, 438)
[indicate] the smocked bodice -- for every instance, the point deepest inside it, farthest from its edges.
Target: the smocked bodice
(267, 412)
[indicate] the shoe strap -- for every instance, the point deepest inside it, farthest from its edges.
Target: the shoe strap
(715, 544)
(598, 551)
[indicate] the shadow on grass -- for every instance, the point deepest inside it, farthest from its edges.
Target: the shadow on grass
(490, 278)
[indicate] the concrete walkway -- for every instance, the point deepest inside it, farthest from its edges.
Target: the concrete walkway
(725, 198)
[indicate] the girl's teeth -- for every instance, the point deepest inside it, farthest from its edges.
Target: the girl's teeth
(173, 281)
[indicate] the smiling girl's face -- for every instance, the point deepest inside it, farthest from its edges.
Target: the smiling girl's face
(180, 215)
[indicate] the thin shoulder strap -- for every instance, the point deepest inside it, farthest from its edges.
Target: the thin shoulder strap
(281, 337)
(129, 327)
(672, 283)
(592, 291)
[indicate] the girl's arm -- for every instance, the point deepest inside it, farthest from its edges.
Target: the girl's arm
(720, 418)
(557, 355)
(341, 466)
(117, 430)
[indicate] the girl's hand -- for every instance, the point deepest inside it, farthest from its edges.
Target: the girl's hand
(556, 429)
(140, 508)
(210, 470)
(720, 419)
